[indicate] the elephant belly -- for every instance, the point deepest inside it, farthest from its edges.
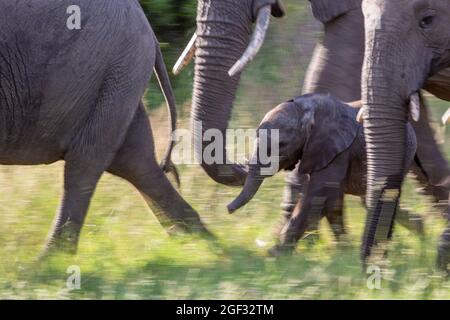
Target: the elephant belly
(35, 135)
(24, 158)
(355, 187)
(356, 180)
(37, 150)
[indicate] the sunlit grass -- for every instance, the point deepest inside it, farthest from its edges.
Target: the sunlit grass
(124, 253)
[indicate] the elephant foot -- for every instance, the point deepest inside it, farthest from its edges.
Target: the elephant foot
(191, 227)
(203, 233)
(64, 240)
(177, 229)
(58, 245)
(438, 193)
(280, 250)
(443, 260)
(344, 241)
(417, 225)
(286, 216)
(311, 237)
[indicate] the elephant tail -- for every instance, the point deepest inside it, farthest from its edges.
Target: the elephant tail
(163, 78)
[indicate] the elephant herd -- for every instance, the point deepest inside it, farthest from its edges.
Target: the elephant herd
(383, 53)
(76, 95)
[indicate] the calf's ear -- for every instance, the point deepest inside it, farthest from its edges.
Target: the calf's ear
(327, 10)
(333, 132)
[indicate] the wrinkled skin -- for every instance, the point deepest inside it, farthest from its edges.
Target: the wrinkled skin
(224, 28)
(323, 134)
(75, 95)
(410, 37)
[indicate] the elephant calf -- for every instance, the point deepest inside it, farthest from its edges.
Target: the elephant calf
(323, 137)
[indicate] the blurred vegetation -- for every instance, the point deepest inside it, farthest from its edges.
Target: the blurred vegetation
(174, 23)
(170, 18)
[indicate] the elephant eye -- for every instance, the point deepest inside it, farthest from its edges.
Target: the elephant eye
(426, 22)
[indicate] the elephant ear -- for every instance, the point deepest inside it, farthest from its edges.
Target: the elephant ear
(277, 7)
(439, 85)
(327, 10)
(334, 130)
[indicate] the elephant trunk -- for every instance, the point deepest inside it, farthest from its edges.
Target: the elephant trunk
(223, 35)
(385, 119)
(252, 184)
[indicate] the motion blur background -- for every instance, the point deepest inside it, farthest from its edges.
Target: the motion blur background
(125, 253)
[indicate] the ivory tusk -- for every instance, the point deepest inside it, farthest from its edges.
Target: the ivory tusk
(360, 116)
(262, 24)
(446, 117)
(186, 57)
(414, 107)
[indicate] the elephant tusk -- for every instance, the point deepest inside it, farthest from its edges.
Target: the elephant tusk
(414, 106)
(185, 57)
(446, 117)
(360, 116)
(262, 24)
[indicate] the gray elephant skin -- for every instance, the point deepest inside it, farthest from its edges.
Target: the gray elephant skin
(75, 95)
(322, 135)
(406, 43)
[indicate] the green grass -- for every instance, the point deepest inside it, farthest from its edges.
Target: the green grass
(124, 253)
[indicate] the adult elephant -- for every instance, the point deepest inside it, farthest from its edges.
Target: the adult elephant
(223, 44)
(75, 94)
(406, 43)
(336, 68)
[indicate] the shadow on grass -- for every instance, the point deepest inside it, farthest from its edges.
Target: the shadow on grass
(236, 272)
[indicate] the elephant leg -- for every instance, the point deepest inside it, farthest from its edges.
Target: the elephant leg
(323, 193)
(80, 180)
(296, 184)
(431, 168)
(411, 221)
(335, 214)
(293, 193)
(89, 154)
(444, 251)
(136, 163)
(443, 259)
(294, 229)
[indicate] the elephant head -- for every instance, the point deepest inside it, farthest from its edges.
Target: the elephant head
(313, 129)
(407, 41)
(223, 44)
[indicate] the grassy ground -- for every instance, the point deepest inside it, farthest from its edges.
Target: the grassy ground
(124, 253)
